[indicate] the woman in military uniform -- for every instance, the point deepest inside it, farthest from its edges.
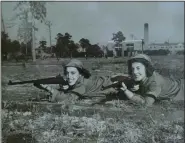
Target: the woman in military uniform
(151, 85)
(81, 83)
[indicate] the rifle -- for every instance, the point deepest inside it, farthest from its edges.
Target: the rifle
(129, 82)
(51, 80)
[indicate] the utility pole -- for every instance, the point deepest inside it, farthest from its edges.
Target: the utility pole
(49, 24)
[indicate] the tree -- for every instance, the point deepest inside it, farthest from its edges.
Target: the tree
(12, 49)
(26, 48)
(118, 38)
(59, 45)
(85, 43)
(62, 44)
(72, 48)
(5, 45)
(23, 48)
(42, 45)
(37, 9)
(66, 41)
(15, 46)
(94, 50)
(25, 30)
(4, 42)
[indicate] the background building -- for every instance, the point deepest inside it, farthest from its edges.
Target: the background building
(131, 47)
(172, 47)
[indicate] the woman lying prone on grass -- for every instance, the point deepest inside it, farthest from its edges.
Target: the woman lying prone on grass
(152, 86)
(80, 83)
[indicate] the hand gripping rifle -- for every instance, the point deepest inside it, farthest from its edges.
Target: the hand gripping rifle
(128, 81)
(51, 80)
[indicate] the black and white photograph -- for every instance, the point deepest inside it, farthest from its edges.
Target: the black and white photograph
(92, 72)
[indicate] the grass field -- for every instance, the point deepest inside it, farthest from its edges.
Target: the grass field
(77, 121)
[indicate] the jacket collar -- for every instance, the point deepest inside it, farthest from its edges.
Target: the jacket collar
(79, 82)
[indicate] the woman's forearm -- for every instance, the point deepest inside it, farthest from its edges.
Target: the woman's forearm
(134, 97)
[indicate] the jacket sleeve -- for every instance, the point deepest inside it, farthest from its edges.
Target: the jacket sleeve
(148, 98)
(95, 85)
(55, 86)
(58, 96)
(148, 101)
(154, 90)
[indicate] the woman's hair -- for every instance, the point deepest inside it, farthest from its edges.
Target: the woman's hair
(85, 73)
(148, 66)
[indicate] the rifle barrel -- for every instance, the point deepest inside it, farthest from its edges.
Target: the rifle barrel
(52, 80)
(20, 82)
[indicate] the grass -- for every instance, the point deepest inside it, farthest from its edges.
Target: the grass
(78, 121)
(47, 127)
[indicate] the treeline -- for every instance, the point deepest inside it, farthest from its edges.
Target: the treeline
(163, 52)
(182, 52)
(12, 48)
(157, 52)
(64, 47)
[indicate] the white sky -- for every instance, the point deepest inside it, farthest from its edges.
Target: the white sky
(98, 20)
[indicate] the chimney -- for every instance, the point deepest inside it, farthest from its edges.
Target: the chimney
(146, 36)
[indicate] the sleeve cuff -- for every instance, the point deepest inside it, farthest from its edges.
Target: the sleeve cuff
(151, 94)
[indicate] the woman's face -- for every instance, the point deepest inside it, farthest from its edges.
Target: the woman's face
(138, 71)
(72, 75)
